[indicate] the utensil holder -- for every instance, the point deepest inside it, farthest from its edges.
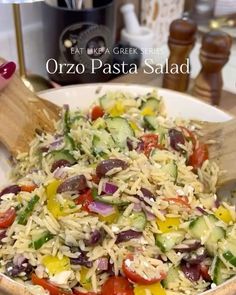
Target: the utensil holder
(75, 38)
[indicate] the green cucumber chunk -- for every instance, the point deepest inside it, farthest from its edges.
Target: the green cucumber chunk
(119, 129)
(151, 103)
(26, 212)
(136, 220)
(167, 241)
(40, 241)
(220, 272)
(199, 229)
(172, 276)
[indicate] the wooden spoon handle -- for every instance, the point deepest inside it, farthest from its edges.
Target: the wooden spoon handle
(228, 288)
(10, 287)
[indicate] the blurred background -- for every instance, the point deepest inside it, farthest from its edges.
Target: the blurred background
(155, 14)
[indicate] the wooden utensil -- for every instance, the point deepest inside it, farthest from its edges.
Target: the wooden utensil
(224, 150)
(22, 114)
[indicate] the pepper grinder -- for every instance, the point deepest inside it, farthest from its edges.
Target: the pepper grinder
(214, 54)
(181, 41)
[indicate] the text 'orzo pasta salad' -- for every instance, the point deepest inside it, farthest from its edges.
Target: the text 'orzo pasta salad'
(121, 200)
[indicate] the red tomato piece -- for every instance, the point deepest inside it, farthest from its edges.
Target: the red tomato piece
(204, 270)
(136, 278)
(180, 200)
(85, 200)
(96, 113)
(150, 142)
(7, 218)
(199, 156)
(53, 290)
(117, 286)
(28, 188)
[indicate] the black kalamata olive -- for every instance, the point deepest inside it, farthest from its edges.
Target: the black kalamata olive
(188, 247)
(191, 272)
(107, 165)
(147, 193)
(12, 189)
(2, 235)
(96, 237)
(13, 270)
(127, 235)
(176, 138)
(60, 163)
(74, 184)
(81, 260)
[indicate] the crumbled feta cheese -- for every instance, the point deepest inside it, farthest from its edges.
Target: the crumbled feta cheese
(213, 286)
(128, 262)
(180, 192)
(62, 278)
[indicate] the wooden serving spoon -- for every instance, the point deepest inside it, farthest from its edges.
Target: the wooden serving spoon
(22, 114)
(223, 151)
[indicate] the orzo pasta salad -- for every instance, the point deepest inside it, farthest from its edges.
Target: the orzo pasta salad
(121, 200)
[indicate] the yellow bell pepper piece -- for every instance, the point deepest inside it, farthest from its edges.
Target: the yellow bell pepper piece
(57, 209)
(154, 289)
(112, 218)
(54, 265)
(147, 111)
(134, 126)
(117, 110)
(168, 225)
(223, 214)
(85, 283)
(52, 187)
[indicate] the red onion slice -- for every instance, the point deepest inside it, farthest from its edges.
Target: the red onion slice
(109, 188)
(101, 208)
(103, 263)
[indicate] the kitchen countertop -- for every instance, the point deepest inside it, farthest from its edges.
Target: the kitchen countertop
(228, 99)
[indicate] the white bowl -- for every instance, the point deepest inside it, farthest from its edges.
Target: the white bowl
(178, 105)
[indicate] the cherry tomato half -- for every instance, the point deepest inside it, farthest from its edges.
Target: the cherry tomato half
(199, 156)
(53, 290)
(96, 113)
(180, 200)
(136, 278)
(150, 142)
(7, 218)
(85, 200)
(117, 286)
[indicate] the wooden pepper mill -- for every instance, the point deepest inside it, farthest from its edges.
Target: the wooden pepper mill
(214, 55)
(181, 41)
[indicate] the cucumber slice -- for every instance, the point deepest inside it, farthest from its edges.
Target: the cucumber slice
(69, 142)
(120, 130)
(220, 274)
(150, 122)
(172, 277)
(151, 103)
(62, 155)
(136, 220)
(102, 141)
(111, 200)
(172, 169)
(199, 229)
(106, 102)
(99, 123)
(167, 241)
(228, 247)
